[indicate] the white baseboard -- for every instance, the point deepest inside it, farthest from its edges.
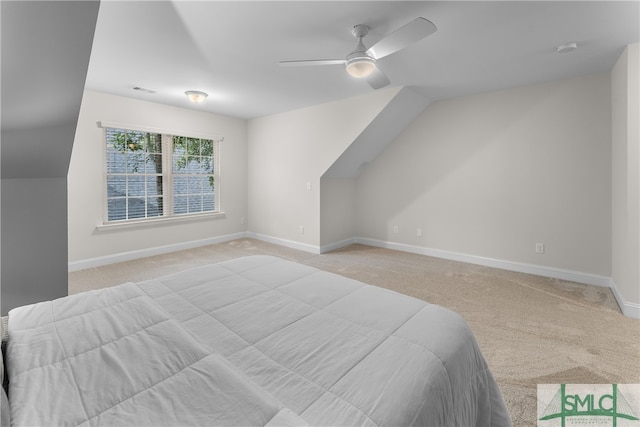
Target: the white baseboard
(574, 276)
(629, 309)
(337, 245)
(283, 242)
(301, 246)
(159, 250)
(143, 253)
(557, 273)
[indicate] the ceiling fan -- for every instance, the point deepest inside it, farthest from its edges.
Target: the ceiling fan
(361, 62)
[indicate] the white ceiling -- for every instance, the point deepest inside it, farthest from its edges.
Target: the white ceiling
(45, 49)
(231, 49)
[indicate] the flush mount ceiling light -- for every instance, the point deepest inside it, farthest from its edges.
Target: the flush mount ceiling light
(196, 96)
(567, 47)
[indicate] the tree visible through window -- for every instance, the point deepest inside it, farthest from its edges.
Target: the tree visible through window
(153, 175)
(193, 181)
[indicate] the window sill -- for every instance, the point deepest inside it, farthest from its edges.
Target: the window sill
(154, 222)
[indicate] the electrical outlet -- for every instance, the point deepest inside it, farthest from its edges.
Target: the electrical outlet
(243, 221)
(395, 229)
(539, 248)
(301, 229)
(419, 232)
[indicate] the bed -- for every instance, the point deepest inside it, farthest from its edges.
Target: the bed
(257, 340)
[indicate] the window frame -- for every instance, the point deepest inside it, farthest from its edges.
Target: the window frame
(168, 215)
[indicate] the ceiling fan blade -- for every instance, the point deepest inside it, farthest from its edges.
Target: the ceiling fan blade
(403, 37)
(307, 62)
(377, 79)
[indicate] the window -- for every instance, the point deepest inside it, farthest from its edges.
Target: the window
(193, 180)
(154, 175)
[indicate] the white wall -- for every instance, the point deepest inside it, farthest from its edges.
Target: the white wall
(86, 175)
(491, 175)
(46, 47)
(337, 212)
(290, 150)
(34, 240)
(485, 176)
(626, 180)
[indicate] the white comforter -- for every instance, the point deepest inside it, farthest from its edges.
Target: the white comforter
(253, 341)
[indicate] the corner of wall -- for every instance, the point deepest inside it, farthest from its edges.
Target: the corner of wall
(284, 203)
(629, 309)
(625, 201)
(338, 183)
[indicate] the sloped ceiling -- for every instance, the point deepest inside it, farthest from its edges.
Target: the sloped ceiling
(46, 46)
(231, 49)
(405, 106)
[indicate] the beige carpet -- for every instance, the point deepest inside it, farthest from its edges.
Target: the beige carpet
(532, 330)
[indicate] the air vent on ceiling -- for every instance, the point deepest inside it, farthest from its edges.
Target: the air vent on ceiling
(142, 89)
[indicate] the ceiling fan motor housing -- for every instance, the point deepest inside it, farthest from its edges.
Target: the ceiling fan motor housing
(360, 31)
(359, 63)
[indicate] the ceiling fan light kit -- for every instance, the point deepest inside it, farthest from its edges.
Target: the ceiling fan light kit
(360, 67)
(361, 62)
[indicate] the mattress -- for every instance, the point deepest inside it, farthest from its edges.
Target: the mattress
(253, 341)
